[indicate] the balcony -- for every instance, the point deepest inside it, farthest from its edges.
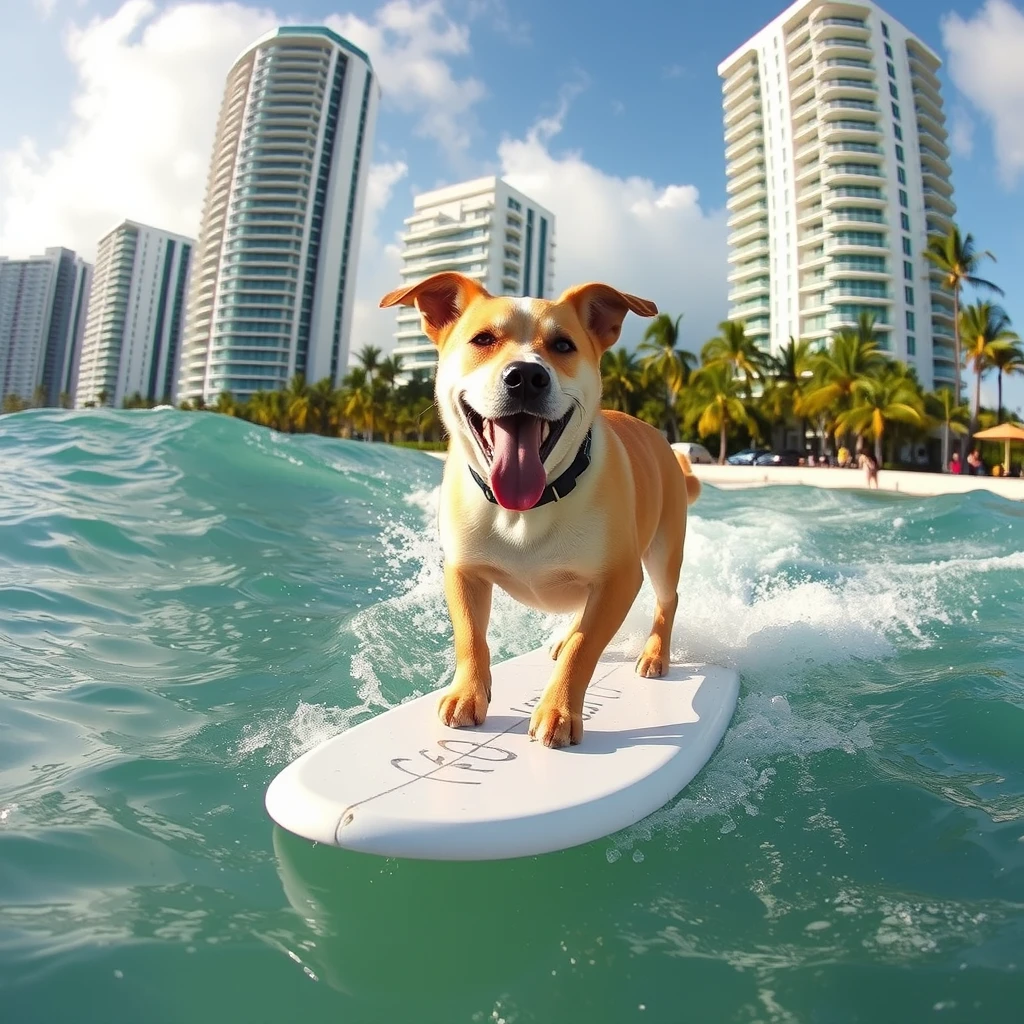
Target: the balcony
(808, 214)
(806, 171)
(857, 131)
(735, 131)
(759, 229)
(740, 74)
(748, 268)
(735, 186)
(936, 182)
(748, 289)
(758, 248)
(748, 197)
(934, 141)
(747, 213)
(858, 24)
(930, 160)
(805, 131)
(855, 195)
(935, 200)
(931, 103)
(797, 56)
(849, 173)
(856, 150)
(833, 88)
(800, 29)
(920, 70)
(736, 95)
(750, 139)
(744, 160)
(801, 92)
(837, 47)
(750, 105)
(855, 241)
(931, 124)
(853, 217)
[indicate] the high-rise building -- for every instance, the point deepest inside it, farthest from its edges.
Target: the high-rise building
(484, 229)
(42, 315)
(136, 313)
(274, 282)
(838, 171)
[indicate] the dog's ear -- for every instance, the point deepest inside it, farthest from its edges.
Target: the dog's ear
(441, 300)
(602, 309)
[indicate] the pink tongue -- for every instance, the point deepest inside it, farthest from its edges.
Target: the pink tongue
(517, 474)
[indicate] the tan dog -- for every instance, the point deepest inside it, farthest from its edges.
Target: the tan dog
(544, 494)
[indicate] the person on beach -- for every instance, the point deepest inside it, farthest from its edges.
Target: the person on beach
(955, 465)
(974, 465)
(843, 457)
(869, 464)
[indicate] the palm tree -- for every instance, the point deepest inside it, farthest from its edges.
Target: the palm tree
(944, 411)
(1008, 359)
(389, 370)
(958, 259)
(321, 398)
(621, 379)
(715, 400)
(848, 359)
(13, 403)
(663, 360)
(296, 404)
(65, 400)
(226, 404)
(732, 348)
(877, 402)
(103, 396)
(357, 399)
(985, 328)
(368, 359)
(789, 373)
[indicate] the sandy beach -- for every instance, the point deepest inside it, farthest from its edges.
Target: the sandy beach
(895, 480)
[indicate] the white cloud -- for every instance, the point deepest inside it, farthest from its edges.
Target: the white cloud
(142, 119)
(986, 65)
(141, 127)
(408, 44)
(44, 7)
(654, 241)
(379, 262)
(961, 132)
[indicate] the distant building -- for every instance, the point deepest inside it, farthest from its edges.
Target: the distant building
(274, 283)
(838, 171)
(42, 316)
(484, 229)
(136, 314)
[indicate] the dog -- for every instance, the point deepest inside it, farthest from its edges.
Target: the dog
(545, 495)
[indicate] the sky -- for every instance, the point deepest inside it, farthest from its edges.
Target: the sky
(609, 114)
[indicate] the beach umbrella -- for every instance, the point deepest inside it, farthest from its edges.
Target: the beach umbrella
(1004, 432)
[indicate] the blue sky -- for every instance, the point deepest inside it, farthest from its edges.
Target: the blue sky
(610, 111)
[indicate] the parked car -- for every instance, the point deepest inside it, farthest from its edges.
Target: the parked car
(790, 457)
(747, 456)
(696, 453)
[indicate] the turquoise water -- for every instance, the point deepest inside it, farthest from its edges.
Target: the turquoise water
(187, 602)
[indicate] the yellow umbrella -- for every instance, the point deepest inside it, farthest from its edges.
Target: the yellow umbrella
(1004, 432)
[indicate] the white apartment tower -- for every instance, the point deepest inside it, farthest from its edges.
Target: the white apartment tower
(273, 289)
(136, 314)
(484, 229)
(837, 166)
(42, 316)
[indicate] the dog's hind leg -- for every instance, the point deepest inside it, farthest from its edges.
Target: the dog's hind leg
(663, 561)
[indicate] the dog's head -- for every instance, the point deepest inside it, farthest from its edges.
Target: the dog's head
(518, 379)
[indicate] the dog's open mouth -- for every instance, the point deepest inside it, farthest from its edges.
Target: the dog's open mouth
(514, 449)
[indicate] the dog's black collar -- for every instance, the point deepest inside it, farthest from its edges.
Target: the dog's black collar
(559, 488)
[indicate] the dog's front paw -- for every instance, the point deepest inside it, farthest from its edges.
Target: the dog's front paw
(463, 705)
(555, 725)
(652, 662)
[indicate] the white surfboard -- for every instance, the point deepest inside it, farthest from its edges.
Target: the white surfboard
(405, 785)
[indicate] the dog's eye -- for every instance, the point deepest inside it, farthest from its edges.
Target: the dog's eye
(562, 346)
(483, 339)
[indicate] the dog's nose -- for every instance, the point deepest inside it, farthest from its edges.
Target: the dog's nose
(526, 380)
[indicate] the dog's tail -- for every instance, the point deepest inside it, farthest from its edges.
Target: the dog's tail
(692, 483)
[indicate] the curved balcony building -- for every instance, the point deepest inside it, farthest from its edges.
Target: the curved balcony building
(837, 167)
(273, 280)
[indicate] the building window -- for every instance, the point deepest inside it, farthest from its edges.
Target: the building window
(904, 222)
(906, 246)
(899, 153)
(898, 132)
(892, 91)
(908, 294)
(911, 346)
(903, 198)
(908, 270)
(885, 30)
(901, 175)
(910, 320)
(896, 111)
(890, 68)
(514, 205)
(888, 51)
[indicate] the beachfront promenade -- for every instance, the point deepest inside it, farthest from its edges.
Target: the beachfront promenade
(896, 480)
(901, 481)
